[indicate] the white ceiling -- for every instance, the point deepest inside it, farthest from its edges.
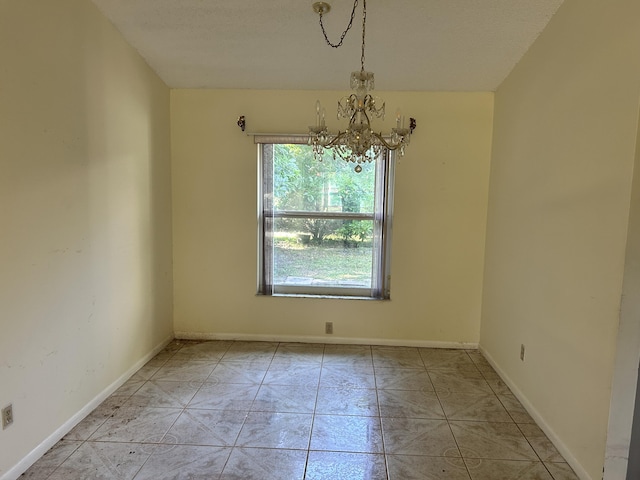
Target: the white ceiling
(423, 45)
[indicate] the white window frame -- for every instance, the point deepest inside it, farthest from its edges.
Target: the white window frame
(382, 219)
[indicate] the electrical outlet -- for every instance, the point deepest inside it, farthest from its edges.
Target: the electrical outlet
(7, 416)
(522, 352)
(328, 327)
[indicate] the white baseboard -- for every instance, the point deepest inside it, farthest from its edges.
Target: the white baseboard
(324, 339)
(22, 466)
(539, 419)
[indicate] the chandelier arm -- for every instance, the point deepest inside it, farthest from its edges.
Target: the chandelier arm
(390, 146)
(336, 140)
(349, 101)
(344, 34)
(371, 106)
(366, 116)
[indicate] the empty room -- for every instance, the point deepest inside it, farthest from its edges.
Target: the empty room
(227, 252)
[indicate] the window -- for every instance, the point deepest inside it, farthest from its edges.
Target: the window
(324, 229)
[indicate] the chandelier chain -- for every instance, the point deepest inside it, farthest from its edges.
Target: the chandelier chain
(364, 26)
(344, 34)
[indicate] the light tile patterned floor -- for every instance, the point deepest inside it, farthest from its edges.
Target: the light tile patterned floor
(268, 411)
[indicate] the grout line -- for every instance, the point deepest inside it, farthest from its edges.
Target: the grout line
(313, 414)
(170, 426)
(382, 429)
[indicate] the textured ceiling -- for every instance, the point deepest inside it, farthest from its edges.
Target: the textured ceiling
(423, 45)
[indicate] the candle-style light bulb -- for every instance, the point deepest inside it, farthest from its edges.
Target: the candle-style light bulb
(322, 118)
(398, 119)
(317, 113)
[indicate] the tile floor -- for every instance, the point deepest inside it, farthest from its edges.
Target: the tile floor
(270, 411)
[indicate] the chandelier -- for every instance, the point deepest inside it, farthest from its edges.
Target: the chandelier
(359, 143)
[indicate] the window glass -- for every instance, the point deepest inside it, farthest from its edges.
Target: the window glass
(302, 183)
(344, 258)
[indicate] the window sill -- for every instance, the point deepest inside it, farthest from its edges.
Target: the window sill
(320, 296)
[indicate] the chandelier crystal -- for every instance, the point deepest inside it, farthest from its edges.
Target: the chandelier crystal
(359, 143)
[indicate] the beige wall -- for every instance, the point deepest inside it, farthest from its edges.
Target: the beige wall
(625, 378)
(85, 214)
(563, 153)
(438, 235)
